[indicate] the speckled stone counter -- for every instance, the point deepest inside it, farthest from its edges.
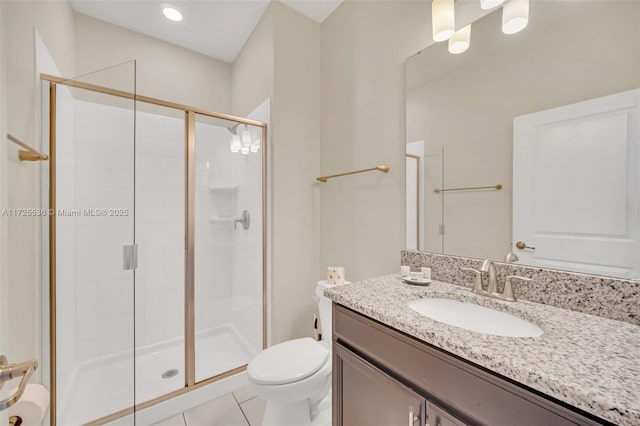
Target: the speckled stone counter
(613, 298)
(589, 362)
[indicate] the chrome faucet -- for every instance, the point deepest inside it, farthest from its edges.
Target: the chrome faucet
(488, 267)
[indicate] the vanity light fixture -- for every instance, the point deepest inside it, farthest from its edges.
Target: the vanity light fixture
(245, 150)
(460, 40)
(442, 19)
(171, 13)
(490, 4)
(515, 16)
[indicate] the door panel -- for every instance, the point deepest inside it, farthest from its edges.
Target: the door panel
(227, 261)
(160, 234)
(371, 397)
(439, 417)
(91, 175)
(575, 181)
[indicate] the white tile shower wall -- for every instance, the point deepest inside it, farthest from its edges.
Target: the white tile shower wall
(65, 271)
(160, 180)
(246, 249)
(215, 210)
(105, 309)
(228, 261)
(247, 259)
(103, 180)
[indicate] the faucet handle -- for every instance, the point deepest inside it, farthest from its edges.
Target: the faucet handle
(508, 293)
(477, 283)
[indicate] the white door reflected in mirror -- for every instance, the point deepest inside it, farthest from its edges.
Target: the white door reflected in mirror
(575, 186)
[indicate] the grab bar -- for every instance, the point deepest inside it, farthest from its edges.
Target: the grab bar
(13, 371)
(383, 168)
(31, 154)
(469, 188)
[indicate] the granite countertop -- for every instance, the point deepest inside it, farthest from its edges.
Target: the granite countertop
(589, 362)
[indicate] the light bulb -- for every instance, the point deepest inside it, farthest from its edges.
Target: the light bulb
(255, 146)
(235, 144)
(246, 137)
(460, 40)
(245, 150)
(490, 4)
(515, 16)
(442, 19)
(171, 13)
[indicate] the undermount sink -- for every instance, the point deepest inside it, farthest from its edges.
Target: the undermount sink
(475, 317)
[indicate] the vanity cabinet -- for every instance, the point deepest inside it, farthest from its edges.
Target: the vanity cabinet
(371, 397)
(384, 377)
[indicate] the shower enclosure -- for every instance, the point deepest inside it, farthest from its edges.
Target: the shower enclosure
(156, 265)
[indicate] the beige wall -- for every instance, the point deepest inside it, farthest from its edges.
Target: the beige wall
(282, 60)
(469, 109)
(54, 22)
(252, 71)
(163, 70)
(364, 46)
(4, 247)
(296, 150)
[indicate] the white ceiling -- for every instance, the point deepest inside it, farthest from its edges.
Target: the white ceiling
(217, 28)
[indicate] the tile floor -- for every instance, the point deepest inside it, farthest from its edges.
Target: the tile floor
(239, 408)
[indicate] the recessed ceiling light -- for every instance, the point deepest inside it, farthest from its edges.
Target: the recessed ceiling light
(171, 13)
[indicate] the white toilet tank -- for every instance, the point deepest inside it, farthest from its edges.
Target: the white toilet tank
(324, 307)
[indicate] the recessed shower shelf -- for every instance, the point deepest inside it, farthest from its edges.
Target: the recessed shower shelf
(223, 188)
(221, 219)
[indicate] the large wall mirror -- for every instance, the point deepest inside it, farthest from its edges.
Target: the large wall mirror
(529, 143)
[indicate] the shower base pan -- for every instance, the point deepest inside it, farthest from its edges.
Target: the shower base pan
(103, 386)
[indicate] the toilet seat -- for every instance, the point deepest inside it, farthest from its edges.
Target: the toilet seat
(288, 362)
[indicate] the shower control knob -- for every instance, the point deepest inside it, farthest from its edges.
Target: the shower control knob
(244, 220)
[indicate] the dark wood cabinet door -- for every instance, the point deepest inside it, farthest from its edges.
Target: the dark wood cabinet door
(437, 416)
(364, 395)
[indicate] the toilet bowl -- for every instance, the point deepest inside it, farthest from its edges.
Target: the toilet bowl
(294, 377)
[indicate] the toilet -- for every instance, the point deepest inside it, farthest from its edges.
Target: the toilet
(294, 377)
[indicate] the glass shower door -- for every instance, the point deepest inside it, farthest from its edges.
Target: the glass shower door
(228, 236)
(157, 247)
(160, 233)
(92, 252)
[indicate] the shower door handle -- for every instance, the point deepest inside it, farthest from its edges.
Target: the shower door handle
(130, 257)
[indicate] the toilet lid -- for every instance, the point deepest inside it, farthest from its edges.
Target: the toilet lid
(287, 362)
